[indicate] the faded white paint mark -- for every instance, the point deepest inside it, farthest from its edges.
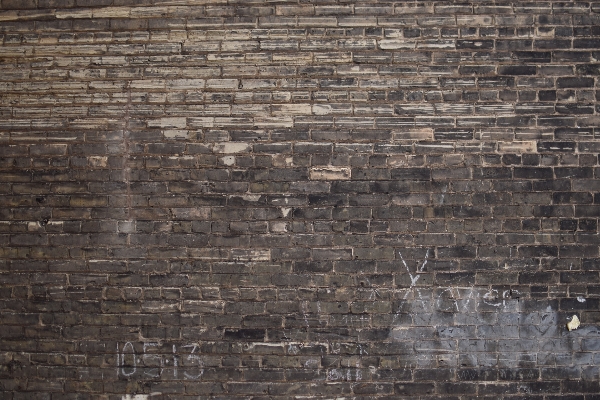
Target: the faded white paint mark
(98, 161)
(177, 134)
(321, 109)
(526, 146)
(250, 255)
(228, 160)
(330, 173)
(33, 226)
(170, 122)
(135, 397)
(251, 197)
(231, 147)
(279, 227)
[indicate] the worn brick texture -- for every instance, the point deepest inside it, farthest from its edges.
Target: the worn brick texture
(316, 199)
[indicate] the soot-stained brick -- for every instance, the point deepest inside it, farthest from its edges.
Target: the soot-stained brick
(322, 199)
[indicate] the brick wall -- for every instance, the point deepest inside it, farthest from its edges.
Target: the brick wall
(299, 199)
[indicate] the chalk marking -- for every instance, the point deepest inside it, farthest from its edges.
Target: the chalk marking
(175, 362)
(193, 357)
(152, 344)
(123, 359)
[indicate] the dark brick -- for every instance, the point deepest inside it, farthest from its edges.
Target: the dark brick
(411, 389)
(517, 70)
(579, 304)
(533, 56)
(588, 225)
(18, 4)
(457, 388)
(576, 109)
(575, 82)
(588, 69)
(538, 251)
(586, 43)
(519, 374)
(533, 173)
(575, 277)
(538, 278)
(411, 174)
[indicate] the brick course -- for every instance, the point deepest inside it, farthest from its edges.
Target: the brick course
(299, 199)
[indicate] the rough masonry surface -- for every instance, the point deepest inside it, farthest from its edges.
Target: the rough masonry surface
(321, 199)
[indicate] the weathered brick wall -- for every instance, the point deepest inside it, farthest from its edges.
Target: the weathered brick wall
(270, 199)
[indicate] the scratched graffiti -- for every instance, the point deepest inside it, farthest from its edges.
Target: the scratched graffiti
(472, 326)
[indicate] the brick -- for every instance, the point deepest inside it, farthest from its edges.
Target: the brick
(517, 70)
(231, 147)
(14, 4)
(518, 147)
(585, 43)
(474, 44)
(278, 200)
(573, 82)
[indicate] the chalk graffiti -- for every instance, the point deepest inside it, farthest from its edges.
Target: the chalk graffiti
(478, 326)
(126, 368)
(346, 374)
(195, 360)
(153, 362)
(414, 278)
(463, 326)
